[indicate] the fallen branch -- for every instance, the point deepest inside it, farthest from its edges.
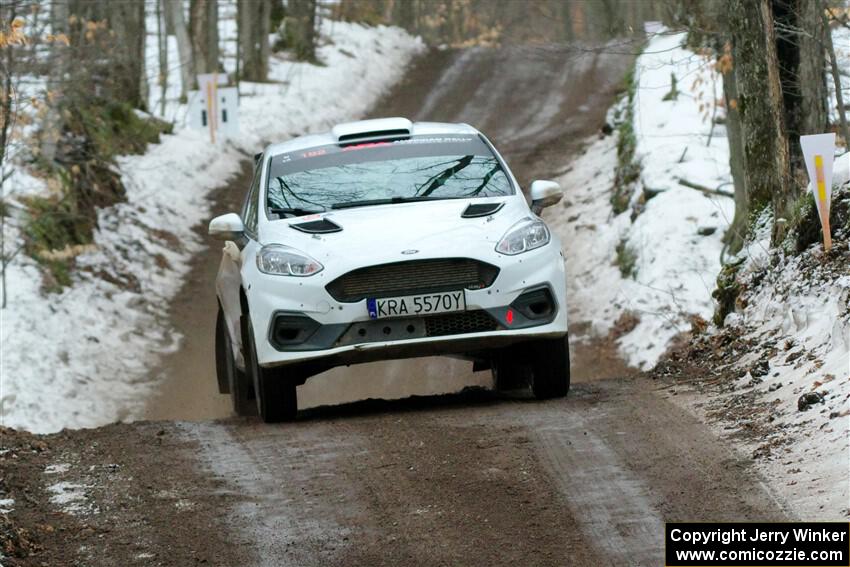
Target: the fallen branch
(704, 189)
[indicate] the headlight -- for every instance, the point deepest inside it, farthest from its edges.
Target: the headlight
(282, 260)
(525, 235)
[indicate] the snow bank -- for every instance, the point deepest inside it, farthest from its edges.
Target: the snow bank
(810, 319)
(676, 239)
(799, 306)
(81, 358)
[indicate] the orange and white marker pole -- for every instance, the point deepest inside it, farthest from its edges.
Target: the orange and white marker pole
(823, 204)
(818, 150)
(212, 112)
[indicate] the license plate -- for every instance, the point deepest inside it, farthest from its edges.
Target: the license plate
(410, 305)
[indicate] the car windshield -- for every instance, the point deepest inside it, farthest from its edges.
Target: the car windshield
(414, 169)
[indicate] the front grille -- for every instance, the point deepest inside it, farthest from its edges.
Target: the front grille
(412, 277)
(459, 323)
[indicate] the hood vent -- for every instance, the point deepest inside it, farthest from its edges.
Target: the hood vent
(481, 210)
(321, 226)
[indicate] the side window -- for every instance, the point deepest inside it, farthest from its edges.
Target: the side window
(251, 207)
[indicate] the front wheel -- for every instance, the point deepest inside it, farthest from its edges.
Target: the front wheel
(550, 366)
(277, 398)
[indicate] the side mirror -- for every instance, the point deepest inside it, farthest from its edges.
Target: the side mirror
(544, 194)
(227, 227)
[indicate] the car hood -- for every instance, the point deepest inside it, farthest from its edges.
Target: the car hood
(397, 232)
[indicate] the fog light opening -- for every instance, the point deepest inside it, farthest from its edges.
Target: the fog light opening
(540, 308)
(536, 305)
(287, 334)
(290, 329)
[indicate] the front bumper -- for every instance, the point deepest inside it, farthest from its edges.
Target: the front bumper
(342, 333)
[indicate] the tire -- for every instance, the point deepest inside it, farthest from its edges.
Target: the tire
(230, 379)
(550, 368)
(277, 398)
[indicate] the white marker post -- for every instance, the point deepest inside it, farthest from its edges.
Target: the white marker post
(818, 152)
(214, 107)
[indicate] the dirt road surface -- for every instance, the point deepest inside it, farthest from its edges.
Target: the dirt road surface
(470, 478)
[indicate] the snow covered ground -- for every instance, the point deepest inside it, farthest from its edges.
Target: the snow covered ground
(80, 358)
(675, 242)
(800, 308)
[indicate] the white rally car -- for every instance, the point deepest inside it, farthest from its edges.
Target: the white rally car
(387, 239)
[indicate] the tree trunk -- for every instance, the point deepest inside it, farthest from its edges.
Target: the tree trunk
(811, 72)
(52, 126)
(212, 39)
(767, 171)
(799, 47)
(404, 14)
(737, 232)
(167, 18)
(162, 45)
(254, 22)
(836, 77)
(203, 29)
(127, 20)
(303, 33)
(184, 46)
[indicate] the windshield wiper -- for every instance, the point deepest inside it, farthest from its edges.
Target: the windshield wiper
(295, 211)
(386, 201)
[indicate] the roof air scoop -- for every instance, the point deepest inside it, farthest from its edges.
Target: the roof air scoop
(475, 210)
(321, 226)
(371, 130)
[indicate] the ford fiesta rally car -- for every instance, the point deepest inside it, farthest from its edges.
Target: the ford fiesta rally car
(387, 239)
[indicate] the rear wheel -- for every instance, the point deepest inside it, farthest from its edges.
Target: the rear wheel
(550, 366)
(277, 398)
(230, 378)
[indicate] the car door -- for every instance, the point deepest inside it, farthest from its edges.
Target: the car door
(229, 279)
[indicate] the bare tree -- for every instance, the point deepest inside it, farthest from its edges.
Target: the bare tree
(127, 20)
(737, 232)
(203, 28)
(767, 170)
(301, 30)
(404, 14)
(162, 45)
(253, 18)
(8, 85)
(184, 46)
(800, 52)
(52, 123)
(836, 77)
(811, 77)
